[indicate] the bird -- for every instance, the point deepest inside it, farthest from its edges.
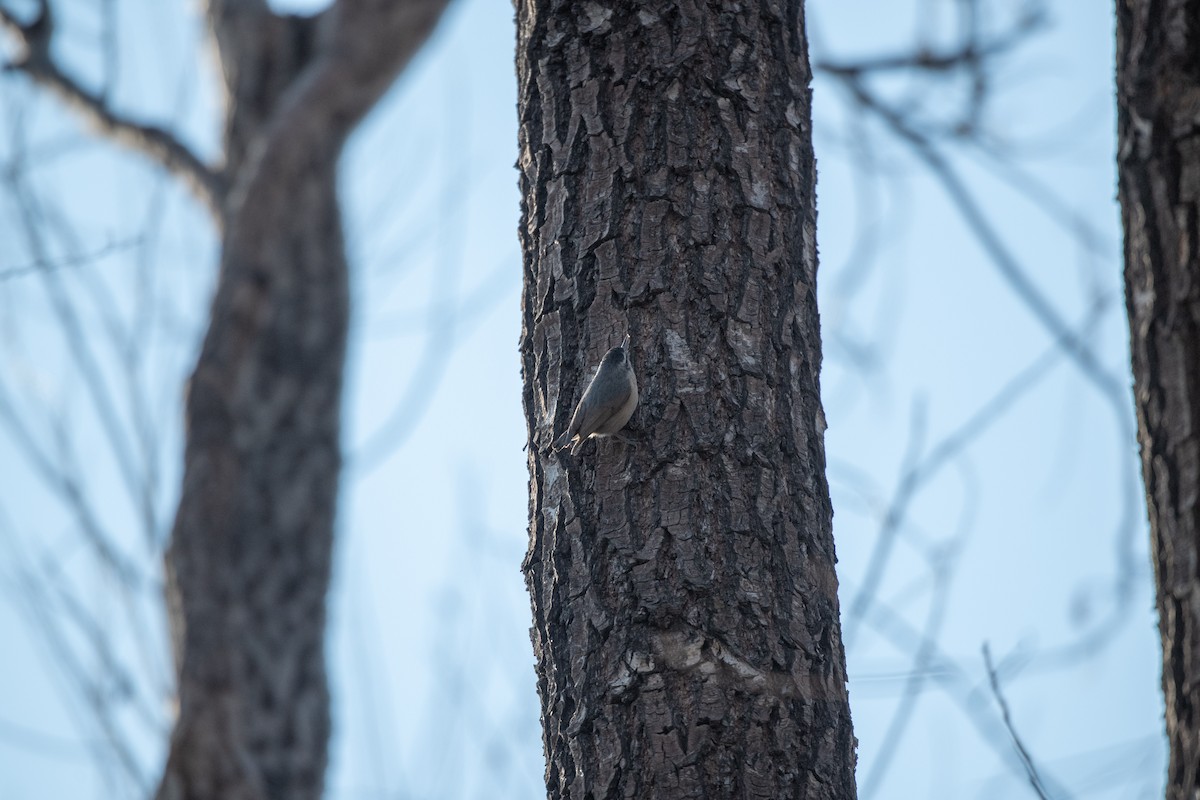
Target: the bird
(607, 403)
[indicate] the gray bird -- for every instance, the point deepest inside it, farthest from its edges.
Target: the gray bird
(607, 403)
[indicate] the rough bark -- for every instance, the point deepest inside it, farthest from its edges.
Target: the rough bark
(1158, 91)
(684, 596)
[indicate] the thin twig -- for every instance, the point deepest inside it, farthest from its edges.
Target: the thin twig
(71, 261)
(1031, 772)
(951, 678)
(81, 347)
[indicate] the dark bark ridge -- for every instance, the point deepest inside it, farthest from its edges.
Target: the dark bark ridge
(1158, 101)
(684, 594)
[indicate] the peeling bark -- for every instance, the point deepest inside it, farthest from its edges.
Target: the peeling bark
(684, 594)
(1158, 101)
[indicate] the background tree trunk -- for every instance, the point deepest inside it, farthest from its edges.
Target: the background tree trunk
(252, 543)
(249, 562)
(1158, 91)
(684, 595)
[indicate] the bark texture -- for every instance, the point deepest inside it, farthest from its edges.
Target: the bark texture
(251, 548)
(1158, 91)
(684, 595)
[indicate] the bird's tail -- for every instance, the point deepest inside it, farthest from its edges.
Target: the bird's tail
(563, 441)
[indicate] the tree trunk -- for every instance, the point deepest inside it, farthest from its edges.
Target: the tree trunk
(684, 595)
(251, 548)
(249, 562)
(1158, 91)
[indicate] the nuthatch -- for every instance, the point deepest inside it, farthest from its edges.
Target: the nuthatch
(607, 403)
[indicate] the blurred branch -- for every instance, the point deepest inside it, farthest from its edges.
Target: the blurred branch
(971, 54)
(919, 471)
(79, 343)
(949, 676)
(32, 591)
(917, 675)
(69, 491)
(1030, 770)
(972, 59)
(66, 262)
(21, 736)
(1110, 388)
(921, 141)
(444, 319)
(35, 37)
(111, 50)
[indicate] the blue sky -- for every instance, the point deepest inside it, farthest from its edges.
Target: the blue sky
(430, 657)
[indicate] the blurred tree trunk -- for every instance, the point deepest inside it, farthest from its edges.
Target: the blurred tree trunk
(684, 595)
(249, 562)
(253, 539)
(1158, 91)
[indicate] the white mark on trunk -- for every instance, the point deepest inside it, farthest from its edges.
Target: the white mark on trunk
(1143, 301)
(635, 664)
(681, 354)
(759, 195)
(744, 347)
(809, 244)
(678, 649)
(793, 114)
(689, 650)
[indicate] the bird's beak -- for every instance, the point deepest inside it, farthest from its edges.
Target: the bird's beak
(625, 343)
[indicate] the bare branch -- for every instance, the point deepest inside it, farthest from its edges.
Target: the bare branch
(919, 470)
(368, 44)
(1006, 264)
(917, 676)
(79, 260)
(1030, 770)
(78, 342)
(34, 598)
(157, 143)
(69, 491)
(970, 55)
(951, 678)
(23, 737)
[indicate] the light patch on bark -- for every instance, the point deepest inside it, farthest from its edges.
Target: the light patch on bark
(597, 17)
(681, 354)
(692, 651)
(745, 344)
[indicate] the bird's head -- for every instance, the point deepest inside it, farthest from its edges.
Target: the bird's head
(619, 354)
